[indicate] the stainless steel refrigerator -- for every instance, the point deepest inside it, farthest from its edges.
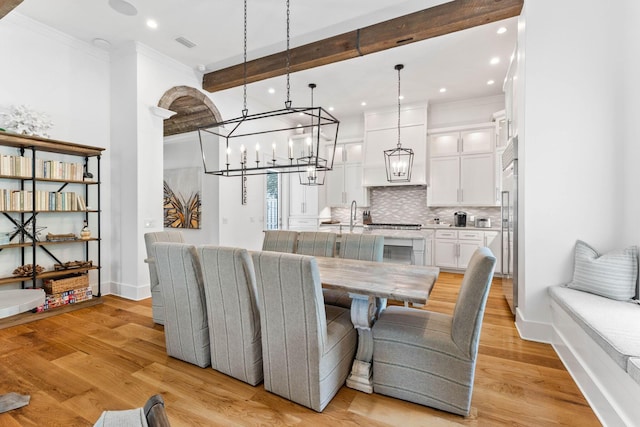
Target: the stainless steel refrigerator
(509, 216)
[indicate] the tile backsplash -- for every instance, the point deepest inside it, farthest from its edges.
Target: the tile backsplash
(408, 205)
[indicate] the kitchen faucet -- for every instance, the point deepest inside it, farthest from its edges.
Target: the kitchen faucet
(352, 215)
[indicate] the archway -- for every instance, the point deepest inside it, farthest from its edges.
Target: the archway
(194, 109)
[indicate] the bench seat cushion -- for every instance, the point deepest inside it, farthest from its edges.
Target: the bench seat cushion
(613, 325)
(633, 368)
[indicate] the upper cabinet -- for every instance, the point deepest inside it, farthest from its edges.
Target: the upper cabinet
(381, 133)
(462, 166)
(511, 96)
(344, 182)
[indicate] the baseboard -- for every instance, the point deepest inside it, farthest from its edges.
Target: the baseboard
(131, 292)
(533, 331)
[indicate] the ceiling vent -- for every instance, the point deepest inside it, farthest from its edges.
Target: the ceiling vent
(186, 42)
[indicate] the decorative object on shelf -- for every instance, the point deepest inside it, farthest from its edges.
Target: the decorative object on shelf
(85, 233)
(28, 230)
(72, 264)
(312, 173)
(182, 201)
(27, 270)
(61, 237)
(272, 128)
(398, 161)
(26, 121)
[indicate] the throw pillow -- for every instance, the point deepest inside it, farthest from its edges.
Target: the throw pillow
(612, 275)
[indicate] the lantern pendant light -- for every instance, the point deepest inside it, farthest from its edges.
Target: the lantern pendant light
(398, 161)
(313, 166)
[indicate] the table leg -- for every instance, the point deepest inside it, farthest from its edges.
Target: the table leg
(363, 314)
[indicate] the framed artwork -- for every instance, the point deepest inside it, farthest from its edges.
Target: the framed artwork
(182, 201)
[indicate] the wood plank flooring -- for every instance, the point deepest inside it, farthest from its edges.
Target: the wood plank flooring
(112, 356)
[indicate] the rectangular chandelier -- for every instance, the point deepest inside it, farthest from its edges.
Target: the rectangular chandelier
(288, 140)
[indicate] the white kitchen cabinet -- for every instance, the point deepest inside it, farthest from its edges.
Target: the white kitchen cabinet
(344, 182)
(511, 95)
(381, 133)
(462, 167)
(454, 248)
(305, 205)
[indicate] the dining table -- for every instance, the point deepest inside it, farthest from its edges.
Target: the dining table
(370, 284)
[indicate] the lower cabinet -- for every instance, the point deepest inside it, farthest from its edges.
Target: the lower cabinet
(454, 248)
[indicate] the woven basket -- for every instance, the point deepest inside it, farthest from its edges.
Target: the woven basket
(54, 286)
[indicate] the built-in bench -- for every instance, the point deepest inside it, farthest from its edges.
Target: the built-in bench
(598, 340)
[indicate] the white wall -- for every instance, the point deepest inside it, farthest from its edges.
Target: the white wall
(573, 147)
(468, 111)
(69, 80)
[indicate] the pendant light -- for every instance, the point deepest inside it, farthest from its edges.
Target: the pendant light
(398, 161)
(314, 166)
(232, 140)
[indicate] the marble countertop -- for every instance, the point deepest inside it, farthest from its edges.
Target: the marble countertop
(426, 231)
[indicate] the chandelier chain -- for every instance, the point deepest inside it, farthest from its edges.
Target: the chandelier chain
(245, 110)
(399, 68)
(288, 103)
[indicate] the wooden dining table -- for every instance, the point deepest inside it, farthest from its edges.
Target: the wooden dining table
(369, 284)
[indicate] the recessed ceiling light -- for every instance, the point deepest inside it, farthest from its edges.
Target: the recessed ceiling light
(502, 30)
(495, 60)
(330, 108)
(271, 90)
(202, 67)
(443, 89)
(401, 97)
(490, 82)
(152, 24)
(363, 103)
(123, 7)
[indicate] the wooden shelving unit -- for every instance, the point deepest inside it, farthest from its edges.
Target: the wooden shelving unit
(25, 236)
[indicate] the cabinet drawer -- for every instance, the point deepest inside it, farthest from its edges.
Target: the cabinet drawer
(470, 235)
(299, 222)
(446, 234)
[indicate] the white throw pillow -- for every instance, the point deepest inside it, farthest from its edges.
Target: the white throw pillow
(613, 275)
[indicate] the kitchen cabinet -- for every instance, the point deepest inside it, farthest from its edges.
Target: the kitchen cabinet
(344, 182)
(381, 133)
(454, 248)
(305, 205)
(462, 167)
(511, 96)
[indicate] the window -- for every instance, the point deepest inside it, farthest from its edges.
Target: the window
(273, 199)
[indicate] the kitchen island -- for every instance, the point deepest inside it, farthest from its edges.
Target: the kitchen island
(401, 246)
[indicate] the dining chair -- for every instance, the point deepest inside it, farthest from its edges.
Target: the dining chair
(280, 241)
(232, 312)
(157, 306)
(152, 414)
(307, 346)
(186, 329)
(429, 358)
(364, 247)
(316, 243)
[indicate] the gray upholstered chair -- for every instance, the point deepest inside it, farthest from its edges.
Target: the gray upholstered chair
(157, 307)
(280, 241)
(307, 347)
(430, 358)
(365, 247)
(316, 243)
(186, 330)
(232, 310)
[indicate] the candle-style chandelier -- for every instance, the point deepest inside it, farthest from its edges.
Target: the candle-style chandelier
(398, 161)
(293, 133)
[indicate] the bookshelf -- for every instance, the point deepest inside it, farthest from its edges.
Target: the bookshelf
(44, 182)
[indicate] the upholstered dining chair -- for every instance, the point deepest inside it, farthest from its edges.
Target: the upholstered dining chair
(364, 247)
(280, 241)
(232, 312)
(307, 347)
(157, 307)
(186, 329)
(316, 243)
(429, 358)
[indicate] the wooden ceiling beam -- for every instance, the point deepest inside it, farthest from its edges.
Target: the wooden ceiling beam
(7, 6)
(436, 21)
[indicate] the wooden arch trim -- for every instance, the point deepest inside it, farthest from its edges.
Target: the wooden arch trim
(193, 110)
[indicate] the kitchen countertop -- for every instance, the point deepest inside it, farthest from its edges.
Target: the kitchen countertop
(394, 233)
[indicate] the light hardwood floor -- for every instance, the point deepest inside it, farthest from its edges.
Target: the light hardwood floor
(112, 356)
